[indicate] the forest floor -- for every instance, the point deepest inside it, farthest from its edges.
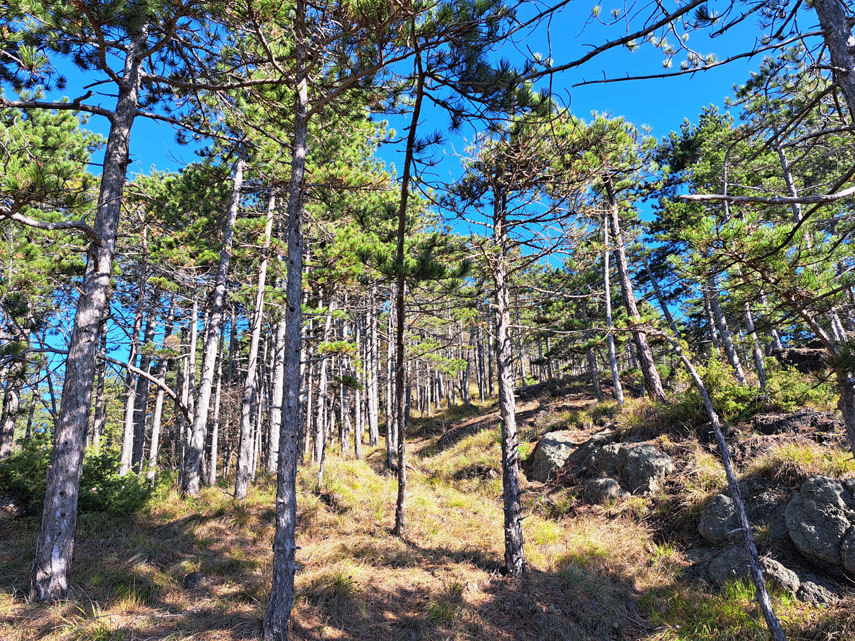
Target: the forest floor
(200, 569)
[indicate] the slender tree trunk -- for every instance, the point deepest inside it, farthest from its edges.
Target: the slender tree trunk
(373, 370)
(400, 327)
(215, 422)
(617, 388)
(759, 365)
(127, 450)
(515, 563)
(659, 297)
(590, 355)
(275, 416)
(723, 331)
(755, 566)
(648, 367)
(192, 477)
(157, 414)
(141, 394)
(55, 543)
(250, 386)
(391, 432)
(278, 611)
(99, 420)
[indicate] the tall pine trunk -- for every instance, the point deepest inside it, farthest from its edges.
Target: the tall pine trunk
(515, 563)
(192, 471)
(250, 386)
(648, 367)
(55, 544)
(278, 611)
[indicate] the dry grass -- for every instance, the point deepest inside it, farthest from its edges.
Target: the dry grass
(595, 573)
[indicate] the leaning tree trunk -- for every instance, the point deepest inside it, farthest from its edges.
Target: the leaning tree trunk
(55, 543)
(754, 565)
(515, 563)
(250, 386)
(192, 472)
(723, 330)
(278, 611)
(648, 367)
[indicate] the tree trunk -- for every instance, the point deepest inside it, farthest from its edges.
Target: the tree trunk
(400, 327)
(648, 367)
(515, 563)
(590, 355)
(250, 386)
(617, 388)
(278, 611)
(127, 450)
(755, 566)
(837, 31)
(55, 543)
(141, 394)
(723, 331)
(157, 415)
(11, 407)
(99, 419)
(373, 370)
(192, 476)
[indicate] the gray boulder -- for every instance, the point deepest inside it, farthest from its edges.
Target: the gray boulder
(585, 455)
(762, 507)
(732, 563)
(816, 594)
(550, 455)
(643, 468)
(718, 518)
(603, 461)
(603, 490)
(820, 519)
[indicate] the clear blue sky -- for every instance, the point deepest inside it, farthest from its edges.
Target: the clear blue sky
(661, 104)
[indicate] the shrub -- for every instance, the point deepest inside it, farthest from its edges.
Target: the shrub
(102, 489)
(789, 390)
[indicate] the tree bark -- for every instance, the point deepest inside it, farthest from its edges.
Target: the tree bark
(837, 31)
(515, 564)
(141, 393)
(755, 566)
(278, 611)
(99, 420)
(55, 543)
(191, 479)
(250, 386)
(400, 287)
(617, 388)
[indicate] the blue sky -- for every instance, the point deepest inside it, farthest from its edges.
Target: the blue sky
(661, 104)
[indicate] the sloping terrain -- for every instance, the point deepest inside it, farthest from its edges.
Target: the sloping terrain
(199, 569)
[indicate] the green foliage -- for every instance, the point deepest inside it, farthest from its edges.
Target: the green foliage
(23, 477)
(790, 390)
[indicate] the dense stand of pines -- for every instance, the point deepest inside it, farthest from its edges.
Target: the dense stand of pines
(289, 294)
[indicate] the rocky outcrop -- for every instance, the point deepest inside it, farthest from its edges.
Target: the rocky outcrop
(732, 563)
(820, 519)
(642, 469)
(804, 420)
(807, 360)
(551, 453)
(603, 490)
(763, 507)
